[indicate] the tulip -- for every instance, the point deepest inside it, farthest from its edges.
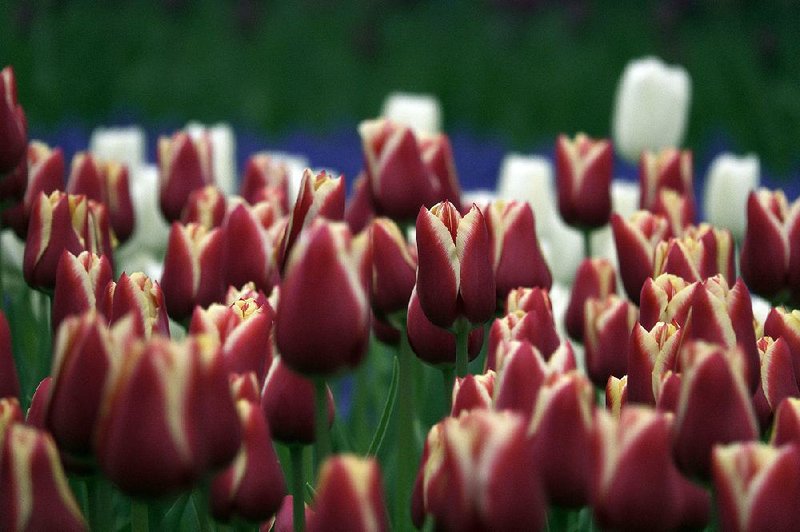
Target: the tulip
(321, 196)
(636, 239)
(249, 291)
(349, 496)
(394, 267)
(34, 492)
(59, 222)
(433, 344)
(476, 473)
(729, 181)
(616, 395)
(37, 412)
(667, 169)
(80, 284)
(537, 328)
(359, 211)
(242, 331)
(777, 380)
(517, 259)
(677, 209)
(252, 486)
(192, 274)
(607, 330)
(651, 107)
(583, 167)
(140, 299)
(667, 298)
(205, 206)
(454, 276)
(522, 373)
(243, 230)
(10, 412)
(635, 483)
(167, 417)
(124, 145)
(529, 300)
(324, 289)
(282, 522)
(437, 155)
(701, 252)
(561, 428)
(757, 486)
(651, 354)
(773, 229)
(783, 323)
(9, 382)
(595, 278)
(13, 125)
(106, 183)
(41, 171)
(420, 112)
(184, 165)
(530, 179)
(288, 404)
(714, 405)
(263, 171)
(473, 392)
(222, 144)
(786, 428)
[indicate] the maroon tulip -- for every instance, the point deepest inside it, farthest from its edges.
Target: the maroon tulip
(616, 395)
(323, 290)
(9, 382)
(677, 209)
(635, 483)
(399, 181)
(252, 486)
(517, 259)
(473, 392)
(667, 298)
(192, 274)
(37, 412)
(537, 328)
(13, 125)
(288, 404)
(607, 331)
(784, 323)
(34, 492)
(394, 267)
(249, 249)
(184, 165)
(670, 169)
(205, 206)
(757, 486)
(283, 520)
(476, 473)
(349, 496)
(359, 211)
(167, 417)
(778, 379)
(786, 428)
(80, 284)
(651, 353)
(700, 253)
(583, 170)
(262, 171)
(714, 405)
(437, 155)
(522, 373)
(138, 297)
(636, 240)
(595, 278)
(528, 300)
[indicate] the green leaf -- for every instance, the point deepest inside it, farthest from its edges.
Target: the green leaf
(391, 399)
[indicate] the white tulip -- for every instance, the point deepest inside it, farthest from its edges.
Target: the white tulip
(296, 166)
(652, 107)
(624, 197)
(223, 153)
(421, 112)
(479, 197)
(125, 145)
(730, 179)
(562, 248)
(530, 178)
(150, 229)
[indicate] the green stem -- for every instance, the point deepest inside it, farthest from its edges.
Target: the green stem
(406, 448)
(321, 430)
(587, 243)
(448, 379)
(101, 503)
(298, 486)
(462, 347)
(139, 516)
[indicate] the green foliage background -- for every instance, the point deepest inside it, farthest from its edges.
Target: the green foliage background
(522, 69)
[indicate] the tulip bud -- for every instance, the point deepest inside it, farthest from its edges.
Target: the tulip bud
(13, 125)
(757, 486)
(323, 289)
(394, 267)
(535, 327)
(433, 344)
(192, 274)
(636, 239)
(37, 412)
(773, 228)
(583, 167)
(80, 284)
(472, 392)
(667, 298)
(778, 379)
(263, 171)
(205, 206)
(288, 404)
(477, 473)
(359, 211)
(10, 412)
(783, 323)
(252, 486)
(728, 184)
(635, 483)
(700, 253)
(561, 426)
(399, 180)
(676, 208)
(437, 154)
(34, 492)
(668, 169)
(595, 278)
(607, 330)
(714, 405)
(454, 276)
(522, 373)
(184, 165)
(517, 259)
(244, 231)
(651, 353)
(9, 382)
(140, 298)
(241, 330)
(786, 428)
(167, 416)
(616, 395)
(58, 222)
(283, 520)
(651, 107)
(321, 196)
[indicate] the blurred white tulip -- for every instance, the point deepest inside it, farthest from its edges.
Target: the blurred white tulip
(223, 153)
(421, 112)
(624, 197)
(730, 179)
(125, 145)
(530, 178)
(296, 165)
(652, 107)
(479, 197)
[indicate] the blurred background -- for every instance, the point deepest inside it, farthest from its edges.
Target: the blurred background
(300, 75)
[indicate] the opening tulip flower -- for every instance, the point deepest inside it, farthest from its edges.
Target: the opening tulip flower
(583, 169)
